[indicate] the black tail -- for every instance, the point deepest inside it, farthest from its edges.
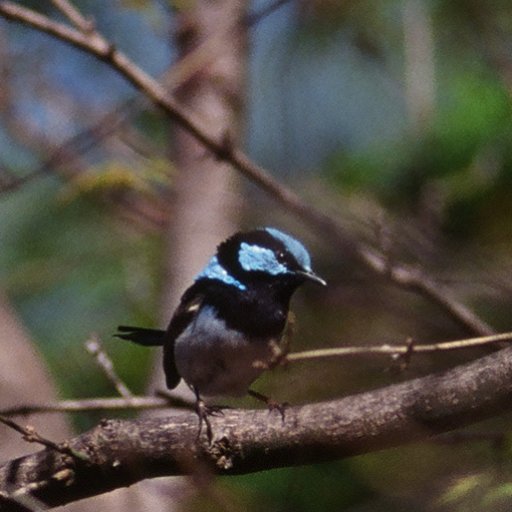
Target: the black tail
(141, 336)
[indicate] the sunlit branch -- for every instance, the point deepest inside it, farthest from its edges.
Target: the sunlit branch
(398, 350)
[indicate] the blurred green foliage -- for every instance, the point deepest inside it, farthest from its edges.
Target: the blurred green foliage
(465, 149)
(66, 266)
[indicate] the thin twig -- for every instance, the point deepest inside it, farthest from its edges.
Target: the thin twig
(30, 435)
(99, 404)
(407, 349)
(95, 348)
(165, 399)
(96, 45)
(74, 15)
(80, 143)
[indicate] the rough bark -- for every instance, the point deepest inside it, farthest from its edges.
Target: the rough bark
(124, 452)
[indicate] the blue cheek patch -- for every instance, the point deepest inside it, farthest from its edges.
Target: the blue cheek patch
(255, 258)
(214, 270)
(294, 247)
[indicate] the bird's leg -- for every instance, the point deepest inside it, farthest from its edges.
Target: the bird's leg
(203, 412)
(272, 404)
(203, 417)
(279, 351)
(289, 332)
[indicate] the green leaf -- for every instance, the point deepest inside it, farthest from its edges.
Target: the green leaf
(461, 489)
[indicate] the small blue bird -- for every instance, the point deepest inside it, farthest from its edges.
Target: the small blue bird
(230, 320)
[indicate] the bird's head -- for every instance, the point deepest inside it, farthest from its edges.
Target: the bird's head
(264, 256)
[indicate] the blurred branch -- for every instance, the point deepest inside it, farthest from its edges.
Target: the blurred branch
(95, 348)
(223, 148)
(124, 452)
(109, 123)
(74, 15)
(79, 143)
(414, 279)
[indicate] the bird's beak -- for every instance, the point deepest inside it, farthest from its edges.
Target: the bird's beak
(311, 276)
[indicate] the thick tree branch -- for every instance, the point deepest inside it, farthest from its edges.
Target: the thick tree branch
(404, 276)
(124, 452)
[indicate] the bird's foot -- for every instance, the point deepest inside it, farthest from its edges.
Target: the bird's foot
(273, 405)
(204, 412)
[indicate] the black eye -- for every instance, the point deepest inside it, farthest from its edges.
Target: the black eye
(281, 256)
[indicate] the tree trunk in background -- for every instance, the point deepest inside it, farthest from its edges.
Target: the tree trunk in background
(204, 209)
(419, 65)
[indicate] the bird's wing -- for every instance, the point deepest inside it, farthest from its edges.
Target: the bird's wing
(187, 310)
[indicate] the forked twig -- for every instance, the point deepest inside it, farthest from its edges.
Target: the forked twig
(30, 435)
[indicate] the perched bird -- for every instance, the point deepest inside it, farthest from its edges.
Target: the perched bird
(232, 317)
